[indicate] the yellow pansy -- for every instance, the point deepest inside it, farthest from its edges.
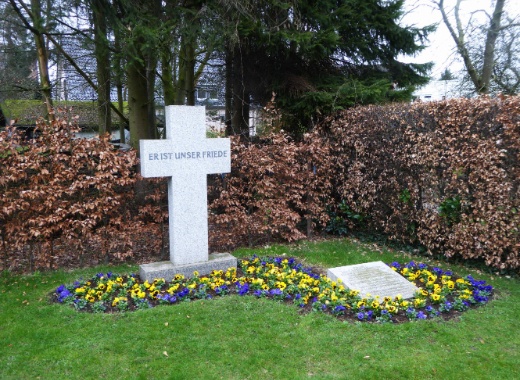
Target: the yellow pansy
(392, 309)
(173, 288)
(418, 302)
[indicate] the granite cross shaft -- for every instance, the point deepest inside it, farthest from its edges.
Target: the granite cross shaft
(186, 157)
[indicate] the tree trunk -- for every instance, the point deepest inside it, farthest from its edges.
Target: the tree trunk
(229, 91)
(489, 50)
(240, 117)
(138, 103)
(190, 71)
(102, 66)
(119, 88)
(151, 66)
(180, 97)
(150, 79)
(43, 59)
(167, 78)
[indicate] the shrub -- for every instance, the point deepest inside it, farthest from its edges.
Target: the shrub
(58, 187)
(445, 175)
(442, 175)
(273, 188)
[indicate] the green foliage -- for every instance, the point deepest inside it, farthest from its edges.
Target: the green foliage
(405, 196)
(24, 111)
(343, 219)
(327, 56)
(333, 97)
(336, 225)
(447, 75)
(450, 210)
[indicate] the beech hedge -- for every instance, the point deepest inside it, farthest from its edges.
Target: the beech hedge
(66, 200)
(445, 175)
(442, 175)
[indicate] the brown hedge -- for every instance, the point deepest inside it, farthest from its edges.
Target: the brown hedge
(445, 175)
(278, 189)
(66, 200)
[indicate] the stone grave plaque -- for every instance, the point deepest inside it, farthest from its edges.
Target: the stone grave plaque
(375, 278)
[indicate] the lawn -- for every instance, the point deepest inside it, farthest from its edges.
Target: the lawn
(247, 338)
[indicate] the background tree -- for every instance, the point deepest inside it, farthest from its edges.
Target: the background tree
(447, 75)
(318, 57)
(477, 42)
(138, 25)
(18, 72)
(37, 20)
(506, 72)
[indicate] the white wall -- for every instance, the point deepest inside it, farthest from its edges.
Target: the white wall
(438, 90)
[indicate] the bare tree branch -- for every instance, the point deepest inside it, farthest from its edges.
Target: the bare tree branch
(479, 77)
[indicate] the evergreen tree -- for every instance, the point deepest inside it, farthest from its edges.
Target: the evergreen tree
(320, 56)
(447, 75)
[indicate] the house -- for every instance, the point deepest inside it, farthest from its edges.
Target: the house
(438, 90)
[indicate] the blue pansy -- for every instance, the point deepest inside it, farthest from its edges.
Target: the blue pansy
(243, 289)
(421, 315)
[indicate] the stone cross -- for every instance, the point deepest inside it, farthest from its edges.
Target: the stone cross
(186, 157)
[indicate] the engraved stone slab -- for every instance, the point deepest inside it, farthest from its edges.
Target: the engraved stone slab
(375, 278)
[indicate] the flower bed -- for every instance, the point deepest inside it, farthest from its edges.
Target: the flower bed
(442, 294)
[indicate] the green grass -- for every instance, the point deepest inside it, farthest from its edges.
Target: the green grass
(247, 338)
(28, 111)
